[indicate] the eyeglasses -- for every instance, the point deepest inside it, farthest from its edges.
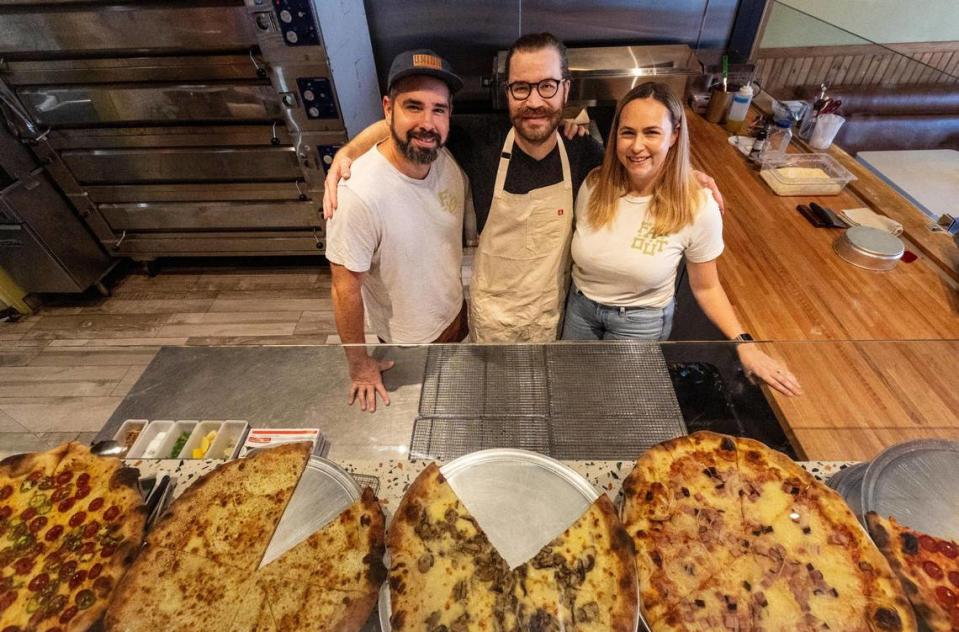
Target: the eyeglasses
(547, 88)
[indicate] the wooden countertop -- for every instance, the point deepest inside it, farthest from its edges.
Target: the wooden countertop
(861, 397)
(786, 282)
(877, 353)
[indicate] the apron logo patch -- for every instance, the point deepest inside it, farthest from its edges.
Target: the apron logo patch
(559, 212)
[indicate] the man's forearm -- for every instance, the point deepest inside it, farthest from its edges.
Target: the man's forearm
(366, 140)
(348, 311)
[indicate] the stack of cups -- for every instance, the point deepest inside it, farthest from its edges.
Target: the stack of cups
(827, 126)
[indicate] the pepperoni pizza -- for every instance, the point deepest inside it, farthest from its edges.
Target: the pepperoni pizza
(928, 568)
(70, 524)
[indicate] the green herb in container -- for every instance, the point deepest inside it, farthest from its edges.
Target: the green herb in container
(180, 442)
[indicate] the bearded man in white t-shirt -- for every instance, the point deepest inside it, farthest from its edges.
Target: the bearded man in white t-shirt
(396, 244)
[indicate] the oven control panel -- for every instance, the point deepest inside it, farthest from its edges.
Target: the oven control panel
(297, 23)
(316, 94)
(326, 153)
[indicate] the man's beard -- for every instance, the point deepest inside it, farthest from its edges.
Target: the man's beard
(419, 155)
(538, 135)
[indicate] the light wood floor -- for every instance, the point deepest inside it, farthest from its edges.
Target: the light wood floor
(65, 370)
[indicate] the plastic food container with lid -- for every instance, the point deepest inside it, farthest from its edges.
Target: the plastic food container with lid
(805, 174)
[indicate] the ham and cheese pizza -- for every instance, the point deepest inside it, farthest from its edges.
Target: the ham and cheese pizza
(731, 535)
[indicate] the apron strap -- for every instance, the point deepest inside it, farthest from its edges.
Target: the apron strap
(504, 157)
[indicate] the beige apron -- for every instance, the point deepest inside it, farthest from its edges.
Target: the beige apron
(521, 267)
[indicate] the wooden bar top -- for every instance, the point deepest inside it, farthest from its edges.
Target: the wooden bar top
(877, 353)
(860, 397)
(786, 282)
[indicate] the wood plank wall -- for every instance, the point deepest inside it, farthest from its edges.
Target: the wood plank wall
(781, 70)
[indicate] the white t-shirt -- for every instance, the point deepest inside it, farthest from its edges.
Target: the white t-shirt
(622, 265)
(407, 234)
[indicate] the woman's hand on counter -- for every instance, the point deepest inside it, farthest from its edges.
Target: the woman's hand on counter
(366, 380)
(758, 365)
(704, 181)
(339, 170)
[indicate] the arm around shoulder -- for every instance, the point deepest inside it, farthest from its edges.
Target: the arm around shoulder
(340, 167)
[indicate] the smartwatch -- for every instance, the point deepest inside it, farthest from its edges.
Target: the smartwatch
(743, 337)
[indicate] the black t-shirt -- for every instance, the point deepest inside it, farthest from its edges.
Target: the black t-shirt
(476, 142)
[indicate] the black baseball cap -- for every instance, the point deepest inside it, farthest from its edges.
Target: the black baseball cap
(423, 61)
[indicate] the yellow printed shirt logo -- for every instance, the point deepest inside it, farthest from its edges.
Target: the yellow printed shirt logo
(449, 201)
(427, 61)
(646, 243)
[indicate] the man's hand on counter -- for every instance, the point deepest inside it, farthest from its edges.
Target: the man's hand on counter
(704, 181)
(366, 380)
(758, 365)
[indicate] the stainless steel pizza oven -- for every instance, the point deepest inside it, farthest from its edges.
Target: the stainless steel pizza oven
(190, 128)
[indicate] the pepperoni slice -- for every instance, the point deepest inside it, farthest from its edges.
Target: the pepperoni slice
(28, 514)
(108, 550)
(95, 570)
(96, 503)
(53, 533)
(83, 479)
(38, 523)
(932, 569)
(7, 599)
(5, 512)
(949, 550)
(78, 518)
(68, 614)
(110, 514)
(23, 565)
(929, 543)
(56, 629)
(61, 493)
(78, 579)
(65, 505)
(39, 582)
(35, 476)
(12, 628)
(82, 492)
(954, 578)
(91, 529)
(64, 477)
(945, 596)
(103, 586)
(6, 492)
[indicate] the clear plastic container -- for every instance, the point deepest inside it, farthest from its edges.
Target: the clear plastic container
(778, 142)
(146, 438)
(805, 174)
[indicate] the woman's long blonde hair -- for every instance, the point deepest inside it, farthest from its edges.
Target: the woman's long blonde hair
(675, 190)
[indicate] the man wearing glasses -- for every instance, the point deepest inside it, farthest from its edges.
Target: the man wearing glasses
(524, 178)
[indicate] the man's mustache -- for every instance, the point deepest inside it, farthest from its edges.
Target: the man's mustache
(423, 135)
(540, 111)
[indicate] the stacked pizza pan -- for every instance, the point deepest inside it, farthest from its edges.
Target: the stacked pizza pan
(713, 533)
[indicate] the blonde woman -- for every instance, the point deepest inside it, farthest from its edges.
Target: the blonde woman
(637, 215)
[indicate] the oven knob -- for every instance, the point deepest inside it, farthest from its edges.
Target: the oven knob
(291, 37)
(308, 95)
(286, 16)
(314, 112)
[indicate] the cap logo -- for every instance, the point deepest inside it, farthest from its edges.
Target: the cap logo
(428, 61)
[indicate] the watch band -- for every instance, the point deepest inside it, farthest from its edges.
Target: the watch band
(743, 337)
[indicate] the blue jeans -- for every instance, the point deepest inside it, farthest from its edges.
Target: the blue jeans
(588, 320)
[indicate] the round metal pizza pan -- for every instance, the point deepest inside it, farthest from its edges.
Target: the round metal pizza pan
(521, 499)
(324, 491)
(848, 483)
(915, 483)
